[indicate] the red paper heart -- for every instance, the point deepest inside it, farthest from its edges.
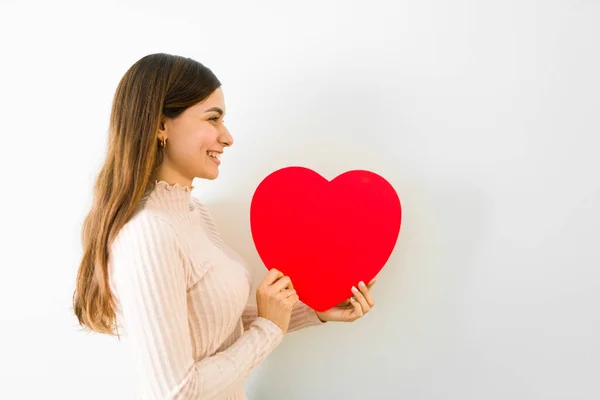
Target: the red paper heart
(326, 236)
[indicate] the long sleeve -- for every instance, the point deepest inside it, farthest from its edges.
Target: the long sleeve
(150, 284)
(302, 317)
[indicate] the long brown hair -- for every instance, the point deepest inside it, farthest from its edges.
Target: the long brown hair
(157, 85)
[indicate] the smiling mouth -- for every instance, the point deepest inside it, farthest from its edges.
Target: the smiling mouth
(214, 154)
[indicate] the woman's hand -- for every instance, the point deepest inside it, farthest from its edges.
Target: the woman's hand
(275, 299)
(353, 308)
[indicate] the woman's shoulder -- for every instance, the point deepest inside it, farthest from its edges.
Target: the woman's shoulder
(146, 224)
(146, 216)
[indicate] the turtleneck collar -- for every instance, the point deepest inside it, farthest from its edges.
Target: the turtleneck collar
(174, 197)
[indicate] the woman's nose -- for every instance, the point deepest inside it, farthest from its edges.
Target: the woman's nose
(226, 138)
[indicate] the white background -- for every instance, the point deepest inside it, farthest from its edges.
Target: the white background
(482, 114)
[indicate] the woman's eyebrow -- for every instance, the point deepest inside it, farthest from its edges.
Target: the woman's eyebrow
(217, 109)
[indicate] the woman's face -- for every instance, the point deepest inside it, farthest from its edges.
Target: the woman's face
(195, 141)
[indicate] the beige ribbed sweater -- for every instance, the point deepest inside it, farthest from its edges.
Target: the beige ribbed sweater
(182, 299)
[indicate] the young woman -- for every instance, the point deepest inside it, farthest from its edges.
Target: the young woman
(154, 263)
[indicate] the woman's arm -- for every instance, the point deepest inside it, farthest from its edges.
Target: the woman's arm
(150, 284)
(302, 317)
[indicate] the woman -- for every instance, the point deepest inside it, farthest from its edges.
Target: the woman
(154, 263)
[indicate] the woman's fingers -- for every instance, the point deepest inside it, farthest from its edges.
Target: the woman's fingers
(293, 297)
(282, 283)
(360, 298)
(358, 311)
(365, 291)
(272, 276)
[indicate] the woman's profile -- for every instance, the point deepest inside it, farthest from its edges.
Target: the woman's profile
(154, 266)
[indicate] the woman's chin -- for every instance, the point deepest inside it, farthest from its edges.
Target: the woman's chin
(210, 175)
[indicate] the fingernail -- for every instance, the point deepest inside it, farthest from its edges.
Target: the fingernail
(354, 289)
(361, 284)
(352, 299)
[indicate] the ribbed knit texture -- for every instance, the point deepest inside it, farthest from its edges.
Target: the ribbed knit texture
(182, 302)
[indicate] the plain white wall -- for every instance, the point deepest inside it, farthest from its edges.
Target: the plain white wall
(483, 115)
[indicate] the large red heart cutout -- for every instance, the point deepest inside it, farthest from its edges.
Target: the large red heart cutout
(326, 236)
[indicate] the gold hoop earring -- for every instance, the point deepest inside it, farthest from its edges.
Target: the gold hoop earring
(163, 142)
